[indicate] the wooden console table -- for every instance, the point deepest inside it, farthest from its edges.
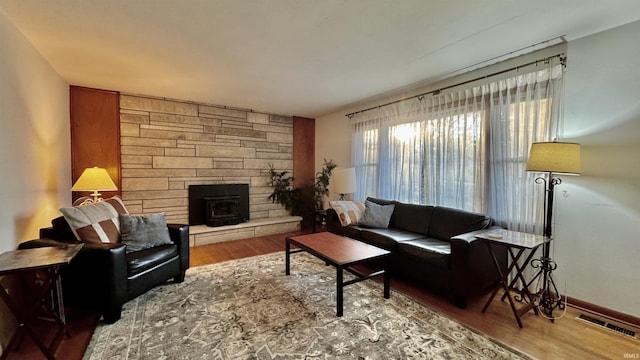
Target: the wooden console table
(519, 242)
(49, 260)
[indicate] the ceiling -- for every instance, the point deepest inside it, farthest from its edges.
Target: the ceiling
(293, 57)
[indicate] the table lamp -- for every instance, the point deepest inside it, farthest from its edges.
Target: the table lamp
(93, 179)
(344, 181)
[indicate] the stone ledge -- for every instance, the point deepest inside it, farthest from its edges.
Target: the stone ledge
(202, 234)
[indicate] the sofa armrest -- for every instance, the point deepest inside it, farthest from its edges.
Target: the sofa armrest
(179, 234)
(472, 267)
(333, 221)
(471, 236)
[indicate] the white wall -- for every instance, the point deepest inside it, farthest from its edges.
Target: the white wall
(597, 215)
(597, 243)
(35, 157)
(35, 161)
(333, 142)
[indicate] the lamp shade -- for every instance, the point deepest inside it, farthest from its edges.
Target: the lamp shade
(94, 179)
(554, 157)
(344, 180)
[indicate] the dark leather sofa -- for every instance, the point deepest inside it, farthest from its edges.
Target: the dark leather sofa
(103, 276)
(434, 246)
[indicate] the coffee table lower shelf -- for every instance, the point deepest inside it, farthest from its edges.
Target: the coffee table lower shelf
(342, 253)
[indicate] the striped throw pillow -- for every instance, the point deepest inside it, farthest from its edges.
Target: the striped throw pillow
(96, 223)
(349, 212)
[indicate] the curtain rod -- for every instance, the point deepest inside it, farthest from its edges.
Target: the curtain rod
(561, 56)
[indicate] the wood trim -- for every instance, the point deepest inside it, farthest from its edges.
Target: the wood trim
(95, 134)
(597, 309)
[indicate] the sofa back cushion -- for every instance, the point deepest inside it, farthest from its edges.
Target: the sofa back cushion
(59, 230)
(412, 217)
(447, 222)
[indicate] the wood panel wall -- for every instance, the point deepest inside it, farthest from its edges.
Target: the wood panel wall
(95, 134)
(304, 130)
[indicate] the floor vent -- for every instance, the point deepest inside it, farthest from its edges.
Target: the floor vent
(614, 327)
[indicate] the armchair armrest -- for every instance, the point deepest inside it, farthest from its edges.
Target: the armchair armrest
(179, 234)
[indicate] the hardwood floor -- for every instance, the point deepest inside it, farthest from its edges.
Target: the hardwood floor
(566, 338)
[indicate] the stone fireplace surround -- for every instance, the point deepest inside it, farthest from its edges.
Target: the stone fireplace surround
(167, 145)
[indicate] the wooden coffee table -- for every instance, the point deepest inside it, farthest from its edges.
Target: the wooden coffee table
(342, 253)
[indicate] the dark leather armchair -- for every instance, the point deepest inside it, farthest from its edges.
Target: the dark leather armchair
(104, 277)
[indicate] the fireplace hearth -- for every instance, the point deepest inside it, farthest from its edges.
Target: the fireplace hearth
(218, 205)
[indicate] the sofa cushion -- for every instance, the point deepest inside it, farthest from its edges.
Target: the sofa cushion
(143, 232)
(387, 238)
(425, 248)
(96, 223)
(413, 217)
(349, 212)
(447, 222)
(376, 216)
(139, 261)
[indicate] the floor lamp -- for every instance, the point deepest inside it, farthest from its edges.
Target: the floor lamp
(551, 158)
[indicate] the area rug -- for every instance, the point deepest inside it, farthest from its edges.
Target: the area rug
(249, 309)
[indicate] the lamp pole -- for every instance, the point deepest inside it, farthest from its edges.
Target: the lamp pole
(548, 297)
(560, 158)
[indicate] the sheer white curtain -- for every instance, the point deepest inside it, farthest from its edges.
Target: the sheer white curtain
(466, 148)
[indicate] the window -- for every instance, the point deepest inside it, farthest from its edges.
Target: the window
(465, 149)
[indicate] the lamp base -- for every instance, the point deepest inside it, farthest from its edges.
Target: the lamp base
(548, 297)
(87, 200)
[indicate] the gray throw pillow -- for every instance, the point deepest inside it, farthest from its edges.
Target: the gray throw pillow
(376, 216)
(144, 232)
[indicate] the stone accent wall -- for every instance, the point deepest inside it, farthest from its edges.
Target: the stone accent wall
(167, 145)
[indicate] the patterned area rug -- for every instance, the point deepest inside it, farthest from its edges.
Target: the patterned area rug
(248, 309)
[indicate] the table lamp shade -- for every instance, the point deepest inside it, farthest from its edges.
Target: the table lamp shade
(94, 179)
(344, 180)
(554, 157)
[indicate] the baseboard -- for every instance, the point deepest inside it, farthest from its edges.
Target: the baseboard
(608, 313)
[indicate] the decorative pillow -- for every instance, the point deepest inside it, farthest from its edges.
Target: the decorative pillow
(376, 216)
(144, 232)
(96, 223)
(349, 212)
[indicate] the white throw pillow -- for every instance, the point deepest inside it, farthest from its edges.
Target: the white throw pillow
(349, 212)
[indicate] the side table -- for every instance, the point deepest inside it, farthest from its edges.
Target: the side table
(48, 259)
(516, 243)
(319, 217)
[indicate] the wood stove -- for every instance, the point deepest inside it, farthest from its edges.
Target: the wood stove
(218, 205)
(221, 210)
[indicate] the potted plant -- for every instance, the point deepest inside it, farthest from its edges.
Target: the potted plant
(302, 201)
